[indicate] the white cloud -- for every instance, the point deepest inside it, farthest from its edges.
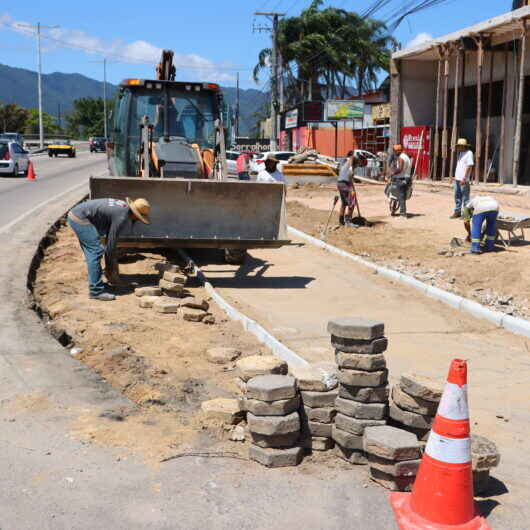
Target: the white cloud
(420, 38)
(188, 66)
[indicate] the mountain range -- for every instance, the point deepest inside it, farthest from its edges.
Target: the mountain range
(18, 85)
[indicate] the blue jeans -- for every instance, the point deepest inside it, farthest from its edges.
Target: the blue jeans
(476, 230)
(243, 175)
(461, 196)
(93, 249)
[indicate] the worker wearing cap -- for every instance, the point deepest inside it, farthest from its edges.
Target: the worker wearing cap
(270, 173)
(401, 177)
(345, 189)
(477, 211)
(91, 220)
(462, 178)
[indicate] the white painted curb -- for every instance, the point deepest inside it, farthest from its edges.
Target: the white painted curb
(519, 326)
(277, 348)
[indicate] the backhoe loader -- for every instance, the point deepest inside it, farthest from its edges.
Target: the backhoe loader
(167, 144)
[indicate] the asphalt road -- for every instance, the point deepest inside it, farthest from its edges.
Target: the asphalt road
(54, 176)
(52, 480)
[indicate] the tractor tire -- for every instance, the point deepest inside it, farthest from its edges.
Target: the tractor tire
(50, 154)
(235, 256)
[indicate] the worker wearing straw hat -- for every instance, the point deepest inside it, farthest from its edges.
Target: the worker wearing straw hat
(91, 220)
(462, 178)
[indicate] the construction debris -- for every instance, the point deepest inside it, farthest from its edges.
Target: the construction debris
(222, 409)
(255, 365)
(307, 162)
(222, 355)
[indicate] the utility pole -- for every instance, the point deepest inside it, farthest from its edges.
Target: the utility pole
(237, 106)
(37, 28)
(104, 62)
(59, 115)
(274, 73)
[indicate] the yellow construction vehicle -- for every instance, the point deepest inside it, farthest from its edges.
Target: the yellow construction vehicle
(167, 144)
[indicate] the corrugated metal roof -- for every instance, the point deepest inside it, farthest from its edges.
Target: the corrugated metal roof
(501, 29)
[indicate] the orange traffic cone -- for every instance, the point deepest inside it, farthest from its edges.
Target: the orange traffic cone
(442, 495)
(31, 172)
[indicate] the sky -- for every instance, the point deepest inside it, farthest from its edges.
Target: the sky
(212, 40)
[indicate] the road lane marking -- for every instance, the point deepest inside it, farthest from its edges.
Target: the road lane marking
(8, 226)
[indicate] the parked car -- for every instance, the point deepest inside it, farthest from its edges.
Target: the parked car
(231, 159)
(61, 147)
(256, 164)
(13, 137)
(98, 144)
(13, 159)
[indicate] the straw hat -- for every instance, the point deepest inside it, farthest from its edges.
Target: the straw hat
(462, 142)
(140, 209)
(271, 156)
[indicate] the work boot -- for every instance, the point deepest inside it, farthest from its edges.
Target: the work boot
(341, 220)
(103, 297)
(455, 215)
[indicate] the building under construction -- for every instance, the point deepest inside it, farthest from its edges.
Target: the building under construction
(434, 87)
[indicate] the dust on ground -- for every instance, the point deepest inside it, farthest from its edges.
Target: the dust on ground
(157, 360)
(420, 245)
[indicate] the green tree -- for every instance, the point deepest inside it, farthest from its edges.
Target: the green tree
(12, 118)
(86, 118)
(49, 123)
(325, 52)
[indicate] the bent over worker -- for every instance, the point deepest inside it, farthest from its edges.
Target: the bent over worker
(91, 220)
(478, 210)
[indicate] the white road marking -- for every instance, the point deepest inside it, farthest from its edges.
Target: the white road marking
(8, 226)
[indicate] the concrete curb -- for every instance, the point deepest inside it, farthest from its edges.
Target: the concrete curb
(519, 326)
(277, 348)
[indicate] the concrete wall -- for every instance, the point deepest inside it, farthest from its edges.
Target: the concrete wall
(418, 89)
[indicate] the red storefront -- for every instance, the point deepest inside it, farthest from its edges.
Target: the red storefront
(416, 142)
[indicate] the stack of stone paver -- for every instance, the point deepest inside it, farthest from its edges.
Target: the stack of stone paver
(363, 391)
(254, 365)
(271, 403)
(484, 457)
(414, 403)
(394, 456)
(318, 389)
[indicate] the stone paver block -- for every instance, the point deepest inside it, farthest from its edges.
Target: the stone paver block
(356, 328)
(171, 287)
(318, 443)
(390, 482)
(147, 301)
(175, 277)
(413, 404)
(354, 425)
(192, 315)
(422, 386)
(359, 361)
(277, 441)
(322, 415)
(378, 394)
(281, 407)
(319, 378)
(362, 378)
(481, 480)
(223, 409)
(391, 443)
(347, 439)
(363, 411)
(411, 419)
(318, 429)
(484, 453)
(255, 365)
(195, 302)
(148, 291)
(163, 267)
(366, 347)
(271, 387)
(276, 457)
(400, 468)
(353, 456)
(222, 355)
(319, 399)
(208, 319)
(273, 425)
(165, 305)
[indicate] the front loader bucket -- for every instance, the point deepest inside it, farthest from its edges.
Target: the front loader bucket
(200, 213)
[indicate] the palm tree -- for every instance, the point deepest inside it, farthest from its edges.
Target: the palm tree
(326, 52)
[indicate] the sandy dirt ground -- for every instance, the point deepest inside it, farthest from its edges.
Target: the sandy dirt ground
(500, 279)
(157, 360)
